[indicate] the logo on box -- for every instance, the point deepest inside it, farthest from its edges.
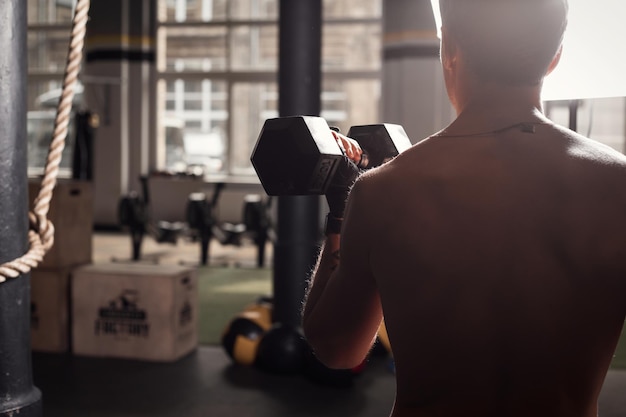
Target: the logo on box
(123, 317)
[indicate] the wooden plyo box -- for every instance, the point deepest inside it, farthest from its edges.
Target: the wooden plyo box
(144, 312)
(50, 310)
(71, 213)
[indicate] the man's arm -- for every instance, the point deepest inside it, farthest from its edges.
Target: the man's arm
(342, 311)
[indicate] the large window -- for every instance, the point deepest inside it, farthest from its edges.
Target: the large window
(49, 25)
(217, 65)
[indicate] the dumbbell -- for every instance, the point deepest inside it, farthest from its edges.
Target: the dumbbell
(298, 155)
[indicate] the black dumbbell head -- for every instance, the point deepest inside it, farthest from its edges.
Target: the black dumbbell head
(381, 142)
(295, 156)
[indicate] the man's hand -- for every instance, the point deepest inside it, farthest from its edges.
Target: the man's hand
(350, 148)
(346, 174)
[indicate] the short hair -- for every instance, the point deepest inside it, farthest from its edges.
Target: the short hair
(509, 41)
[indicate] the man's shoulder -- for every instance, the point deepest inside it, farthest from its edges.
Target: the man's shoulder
(593, 152)
(384, 175)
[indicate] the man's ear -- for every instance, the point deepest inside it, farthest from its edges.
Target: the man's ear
(449, 50)
(555, 61)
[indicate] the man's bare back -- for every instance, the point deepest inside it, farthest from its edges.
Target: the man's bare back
(495, 250)
(500, 270)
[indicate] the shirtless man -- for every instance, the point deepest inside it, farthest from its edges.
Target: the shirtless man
(496, 248)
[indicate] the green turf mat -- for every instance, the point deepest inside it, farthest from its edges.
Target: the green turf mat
(619, 360)
(224, 292)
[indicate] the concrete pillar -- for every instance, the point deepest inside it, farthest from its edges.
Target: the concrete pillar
(119, 74)
(413, 90)
(18, 396)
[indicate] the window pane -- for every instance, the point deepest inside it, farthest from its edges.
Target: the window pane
(350, 103)
(255, 47)
(605, 121)
(252, 104)
(194, 120)
(50, 11)
(40, 126)
(192, 10)
(219, 96)
(193, 105)
(601, 119)
(193, 87)
(47, 50)
(253, 9)
(194, 49)
(352, 8)
(352, 47)
(43, 97)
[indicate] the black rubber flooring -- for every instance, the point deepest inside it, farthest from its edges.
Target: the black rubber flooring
(206, 383)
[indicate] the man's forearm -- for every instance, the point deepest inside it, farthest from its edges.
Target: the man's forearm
(327, 263)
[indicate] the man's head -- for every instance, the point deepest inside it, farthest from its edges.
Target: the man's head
(507, 41)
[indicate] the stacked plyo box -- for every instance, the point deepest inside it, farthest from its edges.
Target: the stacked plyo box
(71, 213)
(135, 311)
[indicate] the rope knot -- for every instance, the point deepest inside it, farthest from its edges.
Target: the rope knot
(44, 228)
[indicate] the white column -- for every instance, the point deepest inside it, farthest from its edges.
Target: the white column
(413, 90)
(119, 74)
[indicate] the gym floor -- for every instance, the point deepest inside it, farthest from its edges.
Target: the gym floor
(206, 383)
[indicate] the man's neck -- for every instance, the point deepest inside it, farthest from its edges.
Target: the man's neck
(489, 106)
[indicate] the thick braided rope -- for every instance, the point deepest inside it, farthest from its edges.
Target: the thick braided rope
(41, 232)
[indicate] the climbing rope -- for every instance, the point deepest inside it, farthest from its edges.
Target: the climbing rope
(41, 230)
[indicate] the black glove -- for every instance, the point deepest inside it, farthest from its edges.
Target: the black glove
(340, 185)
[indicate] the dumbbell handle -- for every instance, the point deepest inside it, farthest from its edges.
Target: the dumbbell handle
(364, 161)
